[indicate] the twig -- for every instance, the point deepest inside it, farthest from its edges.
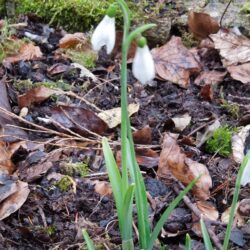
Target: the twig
(224, 12)
(197, 212)
(200, 127)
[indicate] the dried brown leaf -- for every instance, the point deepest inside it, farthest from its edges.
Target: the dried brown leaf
(14, 201)
(207, 92)
(27, 52)
(212, 77)
(173, 161)
(35, 95)
(77, 119)
(143, 136)
(202, 24)
(175, 63)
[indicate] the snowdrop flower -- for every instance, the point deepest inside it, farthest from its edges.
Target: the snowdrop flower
(104, 33)
(143, 65)
(245, 179)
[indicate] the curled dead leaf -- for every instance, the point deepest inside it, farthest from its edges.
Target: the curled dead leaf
(143, 136)
(173, 161)
(12, 203)
(73, 40)
(202, 24)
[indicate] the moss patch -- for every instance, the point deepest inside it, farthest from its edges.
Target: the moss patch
(73, 15)
(220, 142)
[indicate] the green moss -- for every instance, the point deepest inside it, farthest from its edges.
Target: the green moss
(232, 108)
(246, 9)
(25, 85)
(85, 58)
(65, 183)
(189, 40)
(50, 230)
(220, 142)
(80, 168)
(73, 15)
(8, 45)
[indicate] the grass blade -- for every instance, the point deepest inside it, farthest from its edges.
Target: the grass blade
(206, 237)
(89, 242)
(188, 242)
(127, 212)
(140, 199)
(234, 202)
(167, 212)
(115, 179)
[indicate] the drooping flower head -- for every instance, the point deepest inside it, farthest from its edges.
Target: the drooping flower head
(104, 33)
(143, 65)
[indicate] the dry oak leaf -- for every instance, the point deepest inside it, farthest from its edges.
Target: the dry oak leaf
(28, 51)
(202, 24)
(73, 40)
(173, 161)
(233, 49)
(175, 63)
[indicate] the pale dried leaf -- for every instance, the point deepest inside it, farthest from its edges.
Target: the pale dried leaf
(84, 71)
(103, 187)
(112, 117)
(208, 211)
(73, 40)
(181, 122)
(240, 72)
(238, 143)
(233, 48)
(238, 219)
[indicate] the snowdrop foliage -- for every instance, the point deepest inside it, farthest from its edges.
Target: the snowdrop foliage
(143, 64)
(104, 34)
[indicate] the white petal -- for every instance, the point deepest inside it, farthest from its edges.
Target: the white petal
(143, 65)
(245, 179)
(104, 34)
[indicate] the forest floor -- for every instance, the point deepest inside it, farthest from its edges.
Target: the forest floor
(189, 120)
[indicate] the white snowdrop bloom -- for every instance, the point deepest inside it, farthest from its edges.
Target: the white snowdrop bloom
(246, 174)
(104, 34)
(143, 65)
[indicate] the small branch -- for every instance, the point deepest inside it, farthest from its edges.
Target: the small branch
(224, 12)
(197, 212)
